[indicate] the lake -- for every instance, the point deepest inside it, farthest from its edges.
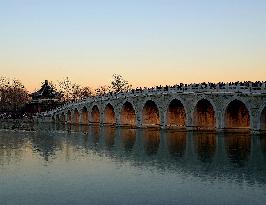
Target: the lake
(63, 164)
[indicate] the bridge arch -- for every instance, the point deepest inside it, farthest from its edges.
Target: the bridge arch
(262, 116)
(95, 115)
(176, 113)
(85, 115)
(236, 114)
(63, 117)
(109, 114)
(76, 116)
(57, 117)
(128, 114)
(204, 114)
(69, 116)
(150, 114)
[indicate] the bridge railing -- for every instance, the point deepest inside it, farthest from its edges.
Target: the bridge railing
(192, 88)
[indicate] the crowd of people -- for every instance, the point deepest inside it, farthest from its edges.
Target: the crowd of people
(204, 85)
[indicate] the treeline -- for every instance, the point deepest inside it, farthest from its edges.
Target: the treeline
(71, 91)
(14, 96)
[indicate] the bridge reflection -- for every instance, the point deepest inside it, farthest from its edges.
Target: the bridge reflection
(176, 143)
(238, 148)
(192, 152)
(128, 138)
(205, 146)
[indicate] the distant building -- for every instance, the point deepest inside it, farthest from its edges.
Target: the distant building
(44, 99)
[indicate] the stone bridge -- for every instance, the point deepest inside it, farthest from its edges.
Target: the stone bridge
(188, 108)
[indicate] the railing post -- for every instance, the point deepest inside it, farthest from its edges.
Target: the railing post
(263, 86)
(227, 87)
(237, 87)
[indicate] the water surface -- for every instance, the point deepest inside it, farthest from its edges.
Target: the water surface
(58, 164)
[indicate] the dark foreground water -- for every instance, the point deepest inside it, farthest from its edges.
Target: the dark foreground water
(92, 165)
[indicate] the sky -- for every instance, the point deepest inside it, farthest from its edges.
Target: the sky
(148, 42)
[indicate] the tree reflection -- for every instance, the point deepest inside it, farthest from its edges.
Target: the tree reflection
(205, 146)
(176, 143)
(238, 148)
(128, 138)
(151, 141)
(45, 144)
(11, 147)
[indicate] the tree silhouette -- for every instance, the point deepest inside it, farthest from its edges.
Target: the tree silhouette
(119, 84)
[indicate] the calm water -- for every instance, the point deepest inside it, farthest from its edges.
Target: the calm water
(92, 165)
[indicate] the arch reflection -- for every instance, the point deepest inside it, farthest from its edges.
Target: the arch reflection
(238, 148)
(151, 140)
(95, 133)
(205, 146)
(176, 143)
(109, 136)
(85, 129)
(128, 138)
(263, 145)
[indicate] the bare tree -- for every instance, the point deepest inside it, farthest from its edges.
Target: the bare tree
(76, 91)
(73, 91)
(119, 84)
(66, 89)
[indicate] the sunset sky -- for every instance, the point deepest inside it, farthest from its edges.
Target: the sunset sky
(148, 42)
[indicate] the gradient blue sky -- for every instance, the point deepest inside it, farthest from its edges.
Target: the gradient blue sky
(149, 42)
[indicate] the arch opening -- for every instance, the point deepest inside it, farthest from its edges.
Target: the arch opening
(263, 119)
(109, 114)
(176, 114)
(69, 116)
(204, 115)
(150, 114)
(128, 115)
(76, 116)
(57, 118)
(237, 115)
(85, 116)
(63, 118)
(95, 114)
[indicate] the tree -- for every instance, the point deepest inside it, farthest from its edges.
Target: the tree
(103, 90)
(86, 92)
(13, 95)
(76, 91)
(119, 84)
(66, 89)
(73, 91)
